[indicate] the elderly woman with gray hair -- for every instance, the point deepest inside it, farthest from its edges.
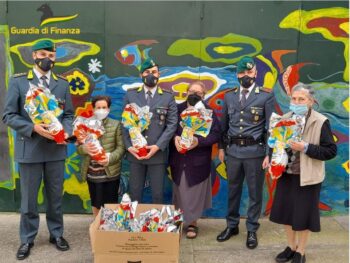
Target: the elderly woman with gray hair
(298, 190)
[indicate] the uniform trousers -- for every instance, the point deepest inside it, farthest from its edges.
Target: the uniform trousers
(31, 175)
(251, 170)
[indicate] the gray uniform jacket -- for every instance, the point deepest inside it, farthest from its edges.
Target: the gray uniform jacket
(250, 121)
(163, 123)
(31, 147)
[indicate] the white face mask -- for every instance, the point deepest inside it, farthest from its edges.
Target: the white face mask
(101, 114)
(199, 105)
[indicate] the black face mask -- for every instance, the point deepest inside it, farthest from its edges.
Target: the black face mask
(246, 81)
(150, 80)
(45, 64)
(192, 99)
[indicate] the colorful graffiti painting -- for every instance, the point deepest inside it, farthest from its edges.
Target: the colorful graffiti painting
(278, 69)
(331, 23)
(227, 49)
(68, 51)
(132, 55)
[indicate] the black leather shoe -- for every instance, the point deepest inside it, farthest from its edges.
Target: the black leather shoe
(24, 250)
(298, 258)
(285, 255)
(227, 233)
(60, 242)
(252, 240)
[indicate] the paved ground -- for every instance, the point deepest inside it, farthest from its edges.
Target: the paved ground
(331, 245)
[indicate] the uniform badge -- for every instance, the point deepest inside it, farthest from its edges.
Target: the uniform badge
(161, 119)
(249, 65)
(162, 112)
(256, 117)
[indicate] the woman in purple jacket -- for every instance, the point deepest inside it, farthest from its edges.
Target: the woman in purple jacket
(191, 171)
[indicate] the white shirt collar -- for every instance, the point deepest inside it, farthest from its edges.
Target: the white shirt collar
(249, 90)
(152, 90)
(39, 75)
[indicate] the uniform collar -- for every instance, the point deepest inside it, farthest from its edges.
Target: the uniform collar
(249, 89)
(39, 75)
(152, 90)
(158, 89)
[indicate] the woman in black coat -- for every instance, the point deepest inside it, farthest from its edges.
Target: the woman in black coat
(191, 171)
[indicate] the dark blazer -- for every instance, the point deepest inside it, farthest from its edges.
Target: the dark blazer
(196, 162)
(30, 147)
(163, 123)
(251, 120)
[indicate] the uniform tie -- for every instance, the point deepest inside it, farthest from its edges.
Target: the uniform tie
(149, 97)
(44, 79)
(244, 99)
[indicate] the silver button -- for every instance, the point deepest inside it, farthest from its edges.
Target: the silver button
(241, 128)
(242, 112)
(241, 120)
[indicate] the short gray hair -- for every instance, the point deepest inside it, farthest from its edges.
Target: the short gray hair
(304, 87)
(199, 83)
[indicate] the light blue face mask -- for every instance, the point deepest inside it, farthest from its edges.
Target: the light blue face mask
(299, 109)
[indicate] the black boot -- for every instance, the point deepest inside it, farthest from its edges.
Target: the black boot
(285, 255)
(24, 250)
(60, 242)
(227, 233)
(252, 240)
(298, 258)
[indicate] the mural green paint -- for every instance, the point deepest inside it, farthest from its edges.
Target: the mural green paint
(227, 49)
(7, 182)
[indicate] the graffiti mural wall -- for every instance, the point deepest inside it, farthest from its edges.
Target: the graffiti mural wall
(100, 47)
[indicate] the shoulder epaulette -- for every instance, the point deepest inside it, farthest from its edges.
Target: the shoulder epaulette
(235, 89)
(266, 90)
(167, 91)
(136, 88)
(62, 77)
(19, 74)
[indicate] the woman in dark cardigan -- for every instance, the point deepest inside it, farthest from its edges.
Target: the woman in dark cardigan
(191, 171)
(298, 190)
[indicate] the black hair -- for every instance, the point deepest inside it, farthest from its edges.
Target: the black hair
(98, 98)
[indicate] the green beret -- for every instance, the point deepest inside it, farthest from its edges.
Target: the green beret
(148, 63)
(46, 44)
(246, 63)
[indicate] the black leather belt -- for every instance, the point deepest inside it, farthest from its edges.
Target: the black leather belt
(244, 141)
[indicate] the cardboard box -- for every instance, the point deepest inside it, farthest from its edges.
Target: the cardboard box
(128, 247)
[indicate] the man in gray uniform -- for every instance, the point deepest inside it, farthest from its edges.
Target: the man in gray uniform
(39, 157)
(245, 120)
(159, 133)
